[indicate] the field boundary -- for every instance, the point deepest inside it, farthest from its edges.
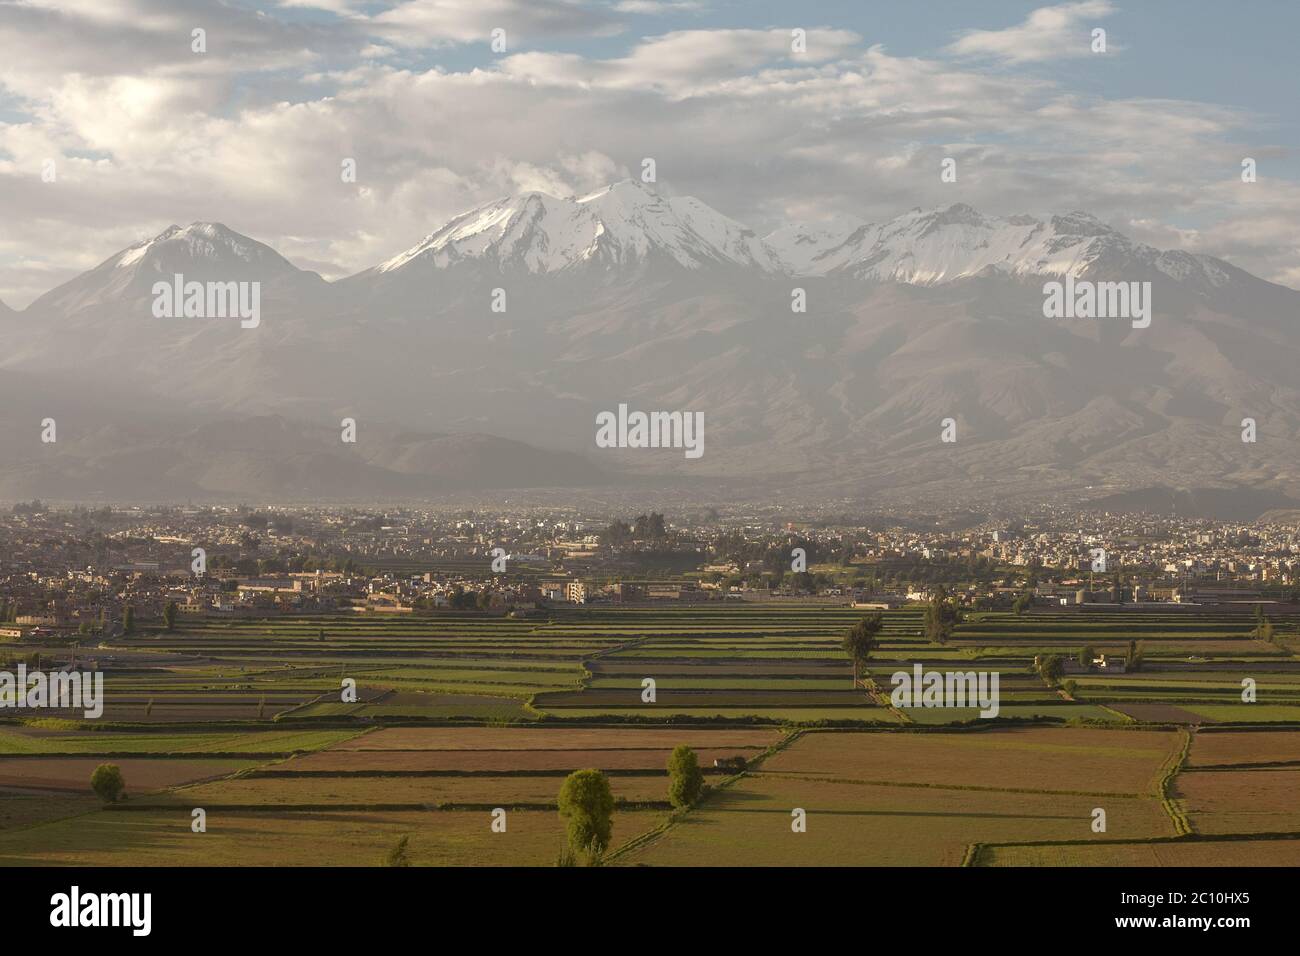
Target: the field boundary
(1280, 835)
(1173, 805)
(677, 815)
(791, 775)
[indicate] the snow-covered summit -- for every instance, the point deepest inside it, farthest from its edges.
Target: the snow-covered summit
(624, 223)
(930, 247)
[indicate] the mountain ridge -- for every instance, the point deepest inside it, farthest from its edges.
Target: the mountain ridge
(626, 223)
(625, 296)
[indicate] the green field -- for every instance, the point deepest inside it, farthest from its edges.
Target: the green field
(457, 714)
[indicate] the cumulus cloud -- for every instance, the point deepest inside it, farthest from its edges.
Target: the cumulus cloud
(1048, 33)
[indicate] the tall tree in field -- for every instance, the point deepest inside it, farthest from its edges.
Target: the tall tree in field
(860, 639)
(128, 619)
(687, 780)
(1263, 626)
(587, 806)
(1052, 668)
(1134, 660)
(169, 616)
(941, 617)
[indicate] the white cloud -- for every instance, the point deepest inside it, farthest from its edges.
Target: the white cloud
(685, 62)
(429, 22)
(1048, 33)
(254, 138)
(658, 7)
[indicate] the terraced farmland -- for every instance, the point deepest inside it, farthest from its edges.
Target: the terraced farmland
(457, 714)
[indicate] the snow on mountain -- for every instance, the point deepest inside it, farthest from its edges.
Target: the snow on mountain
(201, 251)
(930, 247)
(846, 397)
(624, 224)
(627, 224)
(806, 248)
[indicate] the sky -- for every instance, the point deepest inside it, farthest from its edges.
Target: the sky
(143, 131)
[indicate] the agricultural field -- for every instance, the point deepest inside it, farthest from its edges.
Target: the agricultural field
(1192, 853)
(162, 837)
(923, 798)
(774, 663)
(455, 715)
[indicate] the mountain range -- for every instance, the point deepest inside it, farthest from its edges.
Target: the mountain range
(479, 357)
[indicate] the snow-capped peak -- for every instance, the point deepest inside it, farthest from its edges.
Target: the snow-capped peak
(628, 223)
(624, 223)
(927, 247)
(202, 251)
(199, 241)
(805, 246)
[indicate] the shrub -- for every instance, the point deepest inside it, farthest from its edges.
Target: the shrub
(398, 855)
(107, 782)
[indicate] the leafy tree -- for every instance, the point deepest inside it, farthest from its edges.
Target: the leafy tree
(1086, 657)
(1133, 662)
(169, 616)
(649, 528)
(941, 617)
(1263, 626)
(687, 780)
(1051, 667)
(1021, 602)
(587, 806)
(128, 620)
(397, 855)
(617, 534)
(107, 782)
(860, 639)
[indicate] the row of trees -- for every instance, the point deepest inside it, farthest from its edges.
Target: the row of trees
(644, 529)
(942, 615)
